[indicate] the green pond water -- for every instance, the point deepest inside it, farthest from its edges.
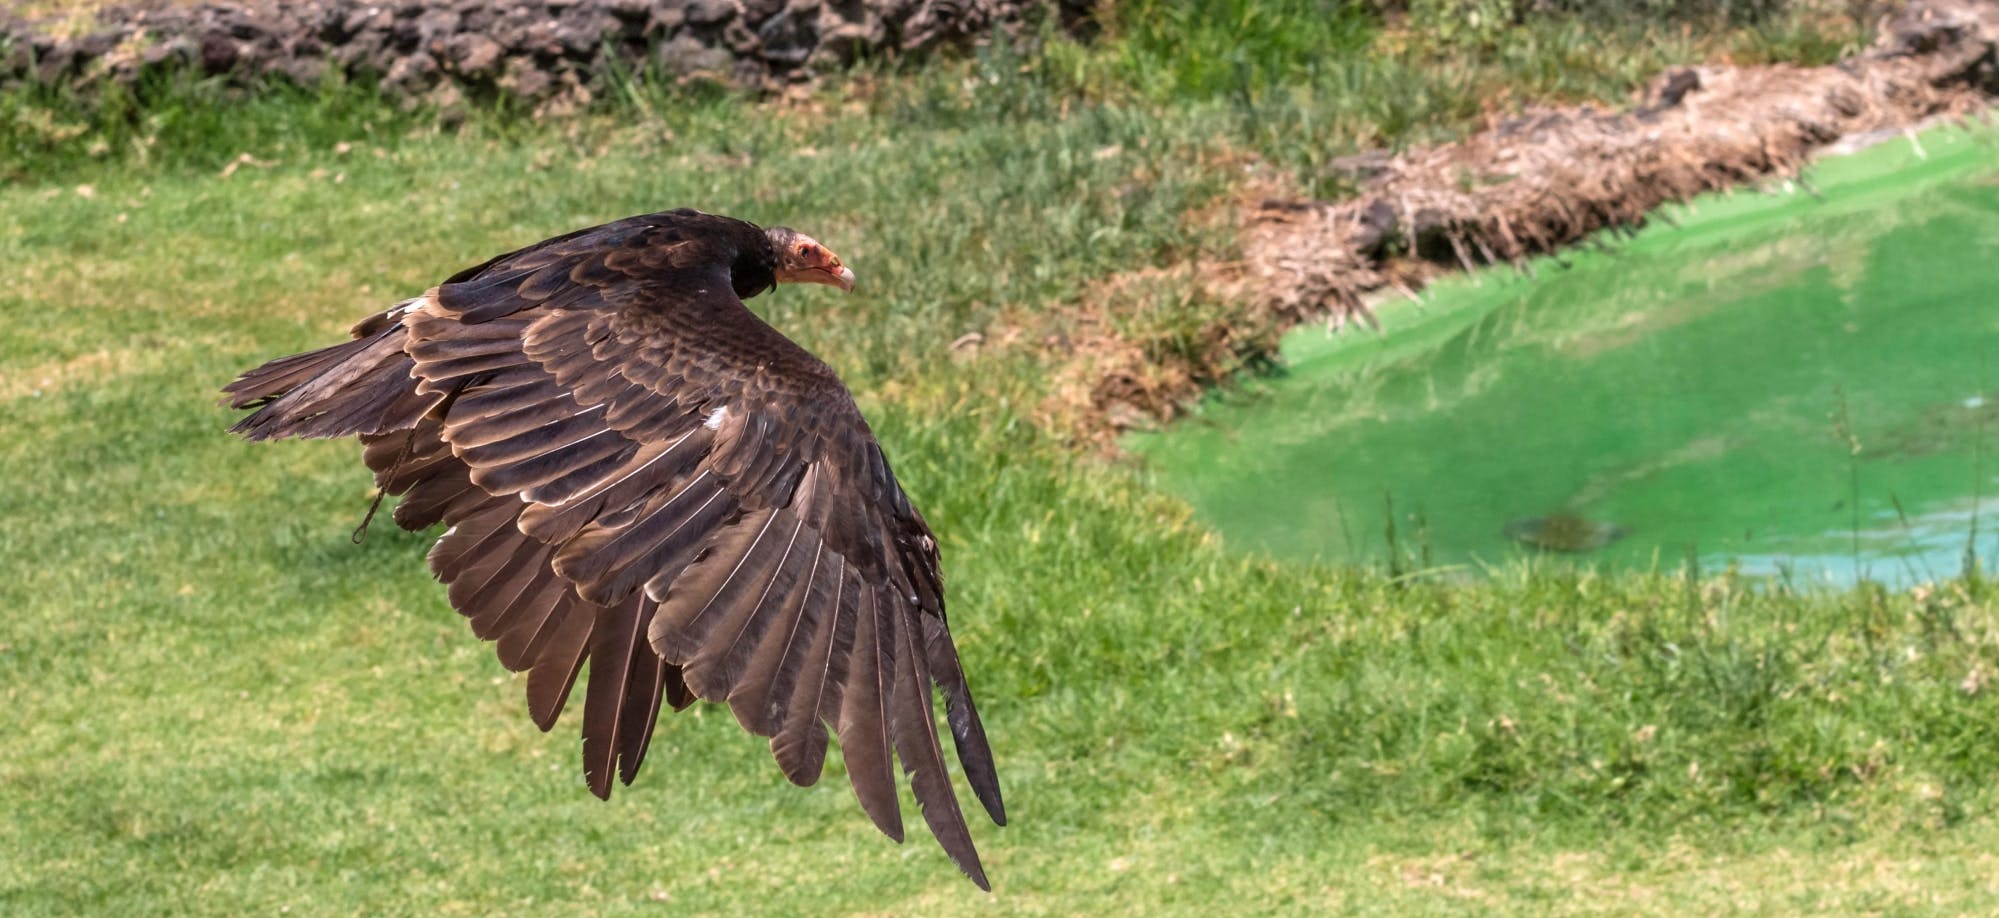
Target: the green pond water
(1802, 383)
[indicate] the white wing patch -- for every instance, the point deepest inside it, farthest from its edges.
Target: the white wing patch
(716, 418)
(410, 305)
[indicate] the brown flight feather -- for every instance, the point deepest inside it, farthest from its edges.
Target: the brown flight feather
(642, 475)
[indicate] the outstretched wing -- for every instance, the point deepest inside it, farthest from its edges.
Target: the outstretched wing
(641, 473)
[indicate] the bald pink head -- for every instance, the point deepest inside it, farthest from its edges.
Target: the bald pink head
(802, 260)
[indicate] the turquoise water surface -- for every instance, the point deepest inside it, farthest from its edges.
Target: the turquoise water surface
(1803, 382)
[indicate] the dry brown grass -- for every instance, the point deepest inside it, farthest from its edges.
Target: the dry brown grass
(1132, 346)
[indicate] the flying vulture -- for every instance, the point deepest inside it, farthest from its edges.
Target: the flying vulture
(639, 472)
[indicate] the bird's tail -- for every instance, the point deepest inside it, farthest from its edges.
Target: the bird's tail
(363, 386)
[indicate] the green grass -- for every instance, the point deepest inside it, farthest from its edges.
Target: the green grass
(219, 705)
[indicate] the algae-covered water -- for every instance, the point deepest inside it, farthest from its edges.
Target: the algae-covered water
(1803, 382)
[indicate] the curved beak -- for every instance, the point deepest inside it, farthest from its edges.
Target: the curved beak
(831, 273)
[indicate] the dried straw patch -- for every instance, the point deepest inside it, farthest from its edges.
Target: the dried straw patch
(1138, 343)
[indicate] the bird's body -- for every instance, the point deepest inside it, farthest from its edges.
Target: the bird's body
(637, 471)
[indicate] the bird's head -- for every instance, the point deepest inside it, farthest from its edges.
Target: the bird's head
(802, 260)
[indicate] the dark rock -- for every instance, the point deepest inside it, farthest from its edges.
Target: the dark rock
(333, 29)
(97, 44)
(789, 38)
(582, 31)
(855, 11)
(756, 11)
(1564, 531)
(255, 56)
(368, 19)
(317, 18)
(1432, 231)
(176, 50)
(474, 56)
(405, 35)
(538, 38)
(846, 42)
(667, 17)
(525, 80)
(301, 71)
(1378, 226)
(18, 58)
(711, 12)
(243, 27)
(362, 53)
(219, 53)
(507, 31)
(436, 25)
(938, 22)
(1922, 37)
(1678, 84)
(686, 56)
(637, 11)
(413, 73)
(741, 38)
(53, 66)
